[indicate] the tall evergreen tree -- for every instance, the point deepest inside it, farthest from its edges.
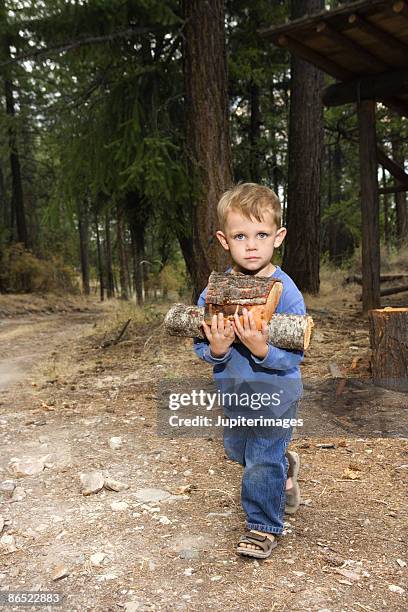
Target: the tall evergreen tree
(302, 244)
(206, 104)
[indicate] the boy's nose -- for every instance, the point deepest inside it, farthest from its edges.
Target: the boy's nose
(251, 246)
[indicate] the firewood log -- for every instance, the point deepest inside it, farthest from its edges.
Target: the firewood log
(287, 331)
(231, 293)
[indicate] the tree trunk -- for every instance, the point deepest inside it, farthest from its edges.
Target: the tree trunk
(122, 254)
(287, 331)
(400, 197)
(100, 262)
(137, 232)
(206, 109)
(370, 207)
(84, 246)
(254, 132)
(17, 198)
(302, 244)
(389, 345)
(386, 214)
(110, 286)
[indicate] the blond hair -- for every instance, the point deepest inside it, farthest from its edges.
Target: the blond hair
(251, 200)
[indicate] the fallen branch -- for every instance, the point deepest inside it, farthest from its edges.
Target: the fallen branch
(107, 343)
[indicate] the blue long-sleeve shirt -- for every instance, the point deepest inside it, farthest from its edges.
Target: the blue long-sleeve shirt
(240, 372)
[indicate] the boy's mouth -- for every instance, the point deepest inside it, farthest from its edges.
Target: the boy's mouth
(252, 258)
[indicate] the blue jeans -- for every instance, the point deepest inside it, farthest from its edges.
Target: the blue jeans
(262, 455)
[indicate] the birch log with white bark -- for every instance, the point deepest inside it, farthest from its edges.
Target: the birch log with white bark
(288, 331)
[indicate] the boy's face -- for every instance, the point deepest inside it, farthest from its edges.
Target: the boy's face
(251, 242)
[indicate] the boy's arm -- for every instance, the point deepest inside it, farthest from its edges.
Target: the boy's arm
(283, 359)
(202, 347)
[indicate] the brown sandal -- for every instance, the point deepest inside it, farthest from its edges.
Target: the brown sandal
(265, 544)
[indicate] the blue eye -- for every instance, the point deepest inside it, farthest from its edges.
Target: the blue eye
(263, 235)
(239, 236)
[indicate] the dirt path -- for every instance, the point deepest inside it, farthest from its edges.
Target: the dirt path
(63, 398)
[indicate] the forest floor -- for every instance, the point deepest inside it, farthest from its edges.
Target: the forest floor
(63, 397)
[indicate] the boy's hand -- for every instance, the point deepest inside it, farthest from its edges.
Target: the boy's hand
(220, 335)
(255, 340)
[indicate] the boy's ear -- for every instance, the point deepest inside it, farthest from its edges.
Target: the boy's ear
(221, 237)
(280, 236)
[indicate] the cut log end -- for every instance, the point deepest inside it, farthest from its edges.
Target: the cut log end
(308, 332)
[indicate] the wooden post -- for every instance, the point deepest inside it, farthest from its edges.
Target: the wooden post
(369, 205)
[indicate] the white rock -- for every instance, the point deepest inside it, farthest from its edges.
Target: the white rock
(97, 558)
(164, 520)
(92, 482)
(132, 606)
(26, 467)
(18, 494)
(115, 443)
(151, 495)
(394, 588)
(7, 486)
(115, 485)
(8, 543)
(118, 506)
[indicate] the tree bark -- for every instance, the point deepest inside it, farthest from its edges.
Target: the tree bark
(389, 345)
(110, 286)
(370, 208)
(254, 131)
(400, 196)
(84, 246)
(302, 244)
(17, 198)
(99, 258)
(386, 214)
(122, 254)
(287, 331)
(206, 106)
(137, 232)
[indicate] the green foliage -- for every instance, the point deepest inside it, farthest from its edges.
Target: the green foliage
(99, 124)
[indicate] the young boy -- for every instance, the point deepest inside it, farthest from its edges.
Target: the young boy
(250, 218)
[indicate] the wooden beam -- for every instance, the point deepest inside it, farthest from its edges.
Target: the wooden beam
(401, 8)
(350, 45)
(394, 189)
(393, 168)
(369, 205)
(367, 88)
(312, 56)
(343, 11)
(379, 34)
(400, 106)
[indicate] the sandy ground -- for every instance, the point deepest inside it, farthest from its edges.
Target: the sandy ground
(63, 397)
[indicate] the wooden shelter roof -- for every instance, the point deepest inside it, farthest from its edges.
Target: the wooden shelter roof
(361, 39)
